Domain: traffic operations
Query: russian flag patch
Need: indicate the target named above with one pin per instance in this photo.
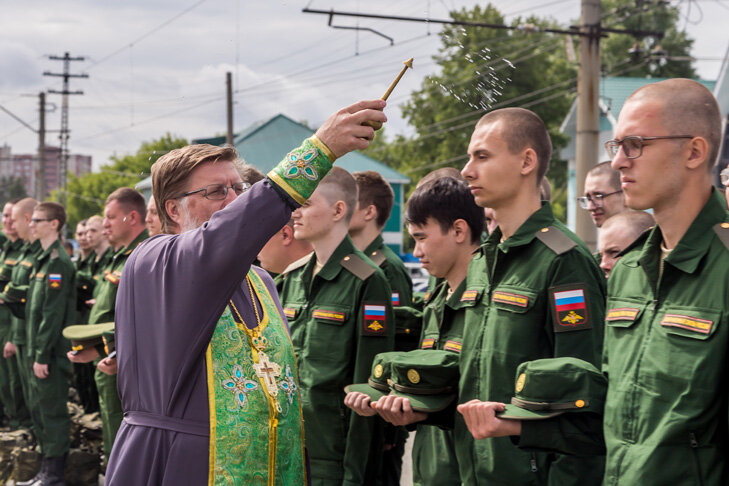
(54, 280)
(569, 308)
(395, 298)
(374, 320)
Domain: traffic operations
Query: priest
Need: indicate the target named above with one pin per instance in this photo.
(207, 374)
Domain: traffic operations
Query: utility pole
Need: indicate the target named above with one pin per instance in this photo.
(40, 178)
(588, 111)
(65, 132)
(229, 106)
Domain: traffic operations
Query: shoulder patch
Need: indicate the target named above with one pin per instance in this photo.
(54, 280)
(569, 308)
(555, 240)
(722, 231)
(360, 268)
(378, 257)
(374, 319)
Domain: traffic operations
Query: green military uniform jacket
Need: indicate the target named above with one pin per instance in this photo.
(85, 284)
(406, 338)
(444, 317)
(106, 288)
(666, 350)
(51, 304)
(339, 320)
(18, 285)
(12, 251)
(539, 294)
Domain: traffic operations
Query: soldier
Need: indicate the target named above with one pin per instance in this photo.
(283, 254)
(11, 394)
(101, 246)
(541, 295)
(154, 227)
(603, 196)
(618, 233)
(124, 221)
(51, 305)
(446, 225)
(339, 309)
(14, 294)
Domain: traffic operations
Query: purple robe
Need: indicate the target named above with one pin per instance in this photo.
(172, 293)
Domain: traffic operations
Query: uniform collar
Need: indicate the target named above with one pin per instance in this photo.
(695, 242)
(375, 245)
(126, 250)
(539, 219)
(56, 245)
(333, 266)
(14, 245)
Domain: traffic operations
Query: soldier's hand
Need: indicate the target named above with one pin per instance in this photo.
(397, 410)
(40, 370)
(84, 356)
(91, 302)
(360, 403)
(343, 131)
(108, 366)
(9, 350)
(482, 422)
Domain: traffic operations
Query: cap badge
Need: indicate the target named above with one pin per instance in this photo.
(520, 382)
(413, 376)
(378, 371)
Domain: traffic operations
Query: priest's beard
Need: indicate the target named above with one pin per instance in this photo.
(190, 222)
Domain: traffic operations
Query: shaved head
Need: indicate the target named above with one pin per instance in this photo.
(25, 206)
(688, 108)
(339, 185)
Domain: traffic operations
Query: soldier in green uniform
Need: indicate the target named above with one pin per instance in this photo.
(339, 311)
(99, 242)
(83, 373)
(541, 296)
(374, 204)
(667, 330)
(446, 225)
(51, 306)
(124, 215)
(15, 292)
(11, 393)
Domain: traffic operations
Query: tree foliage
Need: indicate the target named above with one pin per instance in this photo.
(86, 194)
(11, 188)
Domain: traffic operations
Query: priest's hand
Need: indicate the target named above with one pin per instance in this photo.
(344, 131)
(108, 366)
(483, 423)
(9, 350)
(397, 410)
(84, 356)
(360, 403)
(40, 370)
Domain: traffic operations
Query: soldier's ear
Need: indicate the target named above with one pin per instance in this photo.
(460, 230)
(340, 210)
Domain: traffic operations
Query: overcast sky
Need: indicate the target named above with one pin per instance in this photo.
(159, 66)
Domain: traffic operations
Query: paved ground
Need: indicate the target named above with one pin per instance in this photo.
(406, 478)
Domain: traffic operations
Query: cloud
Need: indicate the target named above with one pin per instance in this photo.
(20, 66)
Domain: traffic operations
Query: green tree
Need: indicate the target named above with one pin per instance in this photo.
(668, 57)
(86, 194)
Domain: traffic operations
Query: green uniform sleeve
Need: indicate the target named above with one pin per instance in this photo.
(60, 284)
(362, 449)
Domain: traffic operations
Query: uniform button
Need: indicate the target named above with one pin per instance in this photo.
(346, 258)
(544, 230)
(22, 301)
(407, 331)
(725, 225)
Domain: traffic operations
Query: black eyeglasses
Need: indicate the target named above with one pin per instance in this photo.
(633, 144)
(217, 192)
(39, 220)
(596, 199)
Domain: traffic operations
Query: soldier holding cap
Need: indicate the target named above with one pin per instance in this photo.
(542, 297)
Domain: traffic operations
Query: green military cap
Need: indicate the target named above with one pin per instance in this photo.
(428, 378)
(546, 388)
(376, 386)
(12, 293)
(85, 336)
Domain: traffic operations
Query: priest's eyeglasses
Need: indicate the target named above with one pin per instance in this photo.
(597, 200)
(633, 144)
(218, 192)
